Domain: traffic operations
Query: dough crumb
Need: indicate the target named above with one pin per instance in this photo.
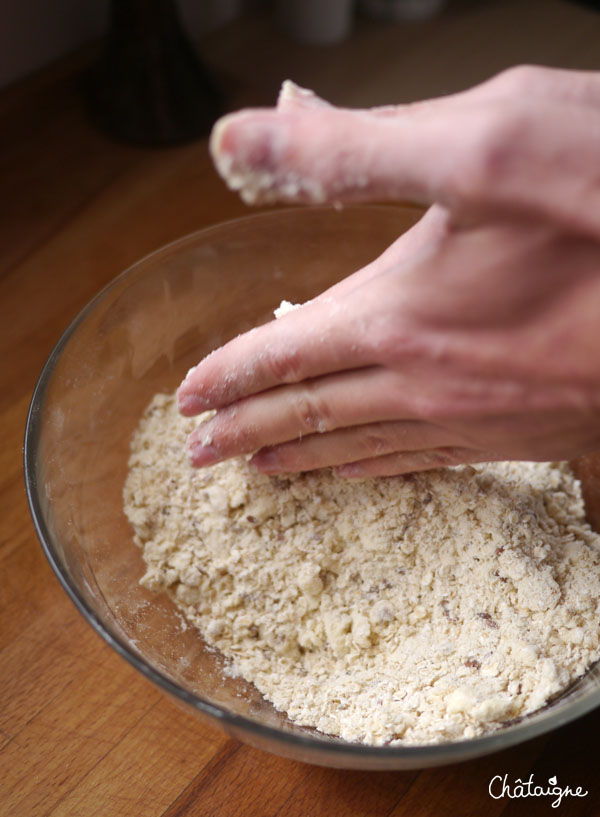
(386, 611)
(285, 307)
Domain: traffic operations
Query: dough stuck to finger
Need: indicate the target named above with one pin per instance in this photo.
(294, 96)
(284, 308)
(246, 147)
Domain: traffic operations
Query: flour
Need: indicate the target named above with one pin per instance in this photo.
(388, 611)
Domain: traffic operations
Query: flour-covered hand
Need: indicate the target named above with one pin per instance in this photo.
(475, 336)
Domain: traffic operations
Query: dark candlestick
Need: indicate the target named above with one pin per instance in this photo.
(149, 85)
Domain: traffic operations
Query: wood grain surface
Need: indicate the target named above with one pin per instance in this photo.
(81, 733)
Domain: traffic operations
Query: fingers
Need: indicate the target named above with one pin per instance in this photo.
(406, 462)
(265, 357)
(329, 339)
(289, 412)
(475, 154)
(347, 445)
(320, 337)
(549, 84)
(320, 154)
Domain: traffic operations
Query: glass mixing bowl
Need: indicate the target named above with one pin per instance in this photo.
(139, 336)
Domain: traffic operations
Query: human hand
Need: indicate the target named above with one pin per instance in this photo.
(474, 336)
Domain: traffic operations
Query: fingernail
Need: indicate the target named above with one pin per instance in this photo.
(200, 455)
(266, 461)
(246, 148)
(190, 404)
(249, 139)
(218, 143)
(189, 373)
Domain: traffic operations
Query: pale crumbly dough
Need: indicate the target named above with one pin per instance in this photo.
(397, 610)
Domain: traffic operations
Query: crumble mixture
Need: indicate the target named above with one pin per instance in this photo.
(387, 611)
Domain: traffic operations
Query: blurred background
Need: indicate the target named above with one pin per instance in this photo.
(105, 106)
(37, 32)
(87, 85)
(90, 88)
(433, 45)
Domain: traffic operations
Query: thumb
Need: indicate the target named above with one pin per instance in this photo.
(308, 151)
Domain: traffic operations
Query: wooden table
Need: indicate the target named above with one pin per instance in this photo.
(81, 733)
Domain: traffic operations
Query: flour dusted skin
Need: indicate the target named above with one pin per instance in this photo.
(387, 611)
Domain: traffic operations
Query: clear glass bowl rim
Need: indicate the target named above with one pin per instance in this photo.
(452, 751)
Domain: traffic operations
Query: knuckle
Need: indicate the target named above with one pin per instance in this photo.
(285, 366)
(493, 146)
(313, 413)
(374, 443)
(391, 340)
(520, 79)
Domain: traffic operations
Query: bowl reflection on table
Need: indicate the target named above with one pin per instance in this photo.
(139, 336)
